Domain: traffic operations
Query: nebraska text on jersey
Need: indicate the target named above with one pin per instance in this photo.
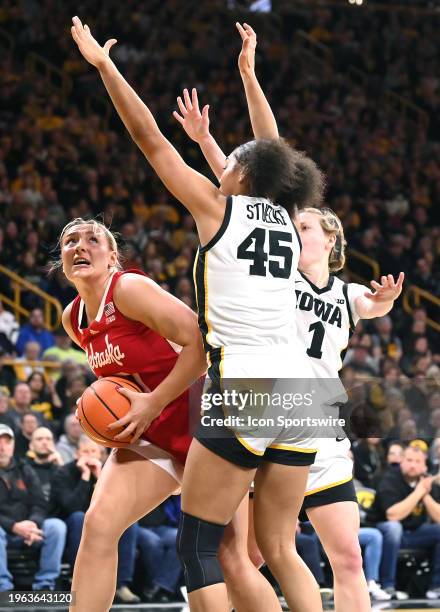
(112, 354)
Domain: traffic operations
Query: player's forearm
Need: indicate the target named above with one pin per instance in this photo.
(133, 112)
(190, 365)
(366, 309)
(262, 118)
(402, 509)
(213, 155)
(432, 508)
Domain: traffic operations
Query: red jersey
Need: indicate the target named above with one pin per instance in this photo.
(115, 344)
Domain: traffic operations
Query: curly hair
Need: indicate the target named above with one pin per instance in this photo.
(276, 171)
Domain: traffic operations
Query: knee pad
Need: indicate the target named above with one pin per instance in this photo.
(198, 542)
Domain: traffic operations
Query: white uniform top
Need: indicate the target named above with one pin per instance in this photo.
(326, 319)
(244, 279)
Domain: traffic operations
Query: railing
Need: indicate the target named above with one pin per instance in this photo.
(52, 308)
(369, 262)
(418, 295)
(413, 296)
(55, 77)
(315, 49)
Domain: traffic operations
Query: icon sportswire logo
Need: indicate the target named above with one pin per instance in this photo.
(112, 354)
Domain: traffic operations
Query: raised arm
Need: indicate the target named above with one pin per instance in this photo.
(201, 197)
(196, 125)
(262, 118)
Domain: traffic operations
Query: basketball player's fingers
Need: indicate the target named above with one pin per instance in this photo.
(250, 30)
(384, 281)
(130, 395)
(109, 44)
(74, 34)
(375, 285)
(241, 30)
(187, 99)
(126, 433)
(400, 280)
(195, 100)
(205, 113)
(78, 25)
(125, 420)
(182, 106)
(137, 434)
(180, 119)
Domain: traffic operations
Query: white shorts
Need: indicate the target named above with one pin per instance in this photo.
(250, 368)
(332, 466)
(158, 456)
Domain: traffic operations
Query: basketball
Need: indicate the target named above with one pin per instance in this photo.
(100, 405)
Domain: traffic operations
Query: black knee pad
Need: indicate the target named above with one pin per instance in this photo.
(198, 542)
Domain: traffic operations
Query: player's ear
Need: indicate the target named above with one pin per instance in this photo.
(113, 259)
(332, 240)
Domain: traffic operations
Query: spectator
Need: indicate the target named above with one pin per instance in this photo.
(21, 401)
(157, 544)
(29, 422)
(389, 343)
(71, 493)
(32, 352)
(34, 331)
(67, 445)
(395, 453)
(23, 518)
(8, 324)
(63, 351)
(45, 399)
(406, 501)
(43, 458)
(368, 459)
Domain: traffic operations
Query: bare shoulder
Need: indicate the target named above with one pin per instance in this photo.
(130, 284)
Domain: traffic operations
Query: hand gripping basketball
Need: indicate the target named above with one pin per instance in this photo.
(139, 418)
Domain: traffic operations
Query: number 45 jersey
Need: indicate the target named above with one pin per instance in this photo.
(326, 319)
(244, 280)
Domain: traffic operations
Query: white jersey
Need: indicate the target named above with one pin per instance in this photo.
(326, 319)
(244, 280)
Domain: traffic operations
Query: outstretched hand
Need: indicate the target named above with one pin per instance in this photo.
(246, 59)
(90, 49)
(387, 290)
(194, 122)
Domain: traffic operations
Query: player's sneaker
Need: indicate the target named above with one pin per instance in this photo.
(376, 592)
(433, 593)
(399, 595)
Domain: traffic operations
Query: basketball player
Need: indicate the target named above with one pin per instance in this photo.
(128, 325)
(327, 311)
(248, 260)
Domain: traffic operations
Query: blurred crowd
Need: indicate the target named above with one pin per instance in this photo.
(61, 157)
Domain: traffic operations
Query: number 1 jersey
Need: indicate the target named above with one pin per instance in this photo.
(326, 318)
(244, 278)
